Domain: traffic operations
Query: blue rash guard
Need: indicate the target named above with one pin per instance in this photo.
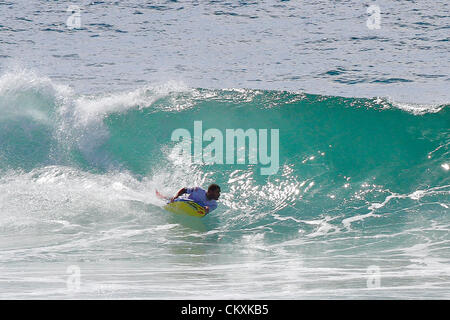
(198, 195)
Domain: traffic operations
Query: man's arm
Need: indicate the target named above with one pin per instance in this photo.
(181, 192)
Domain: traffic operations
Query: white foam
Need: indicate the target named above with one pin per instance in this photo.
(26, 94)
(418, 109)
(88, 107)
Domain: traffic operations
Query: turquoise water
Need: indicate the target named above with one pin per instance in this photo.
(359, 206)
(363, 185)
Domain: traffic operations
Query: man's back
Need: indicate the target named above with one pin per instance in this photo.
(198, 195)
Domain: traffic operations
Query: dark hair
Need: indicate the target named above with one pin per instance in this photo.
(213, 187)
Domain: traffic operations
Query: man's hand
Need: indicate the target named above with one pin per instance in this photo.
(206, 209)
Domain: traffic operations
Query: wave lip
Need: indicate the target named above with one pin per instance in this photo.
(62, 128)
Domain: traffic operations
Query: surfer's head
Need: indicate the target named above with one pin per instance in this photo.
(213, 192)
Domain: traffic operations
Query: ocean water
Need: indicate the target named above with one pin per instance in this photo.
(358, 209)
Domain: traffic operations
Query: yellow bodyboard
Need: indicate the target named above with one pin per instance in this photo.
(189, 208)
